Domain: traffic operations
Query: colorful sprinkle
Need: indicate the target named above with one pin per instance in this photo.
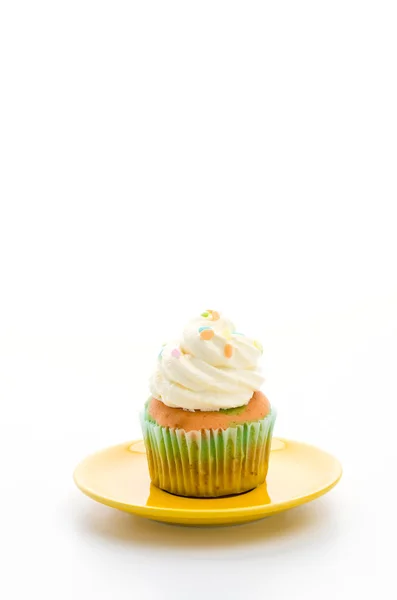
(258, 345)
(207, 334)
(237, 333)
(215, 315)
(160, 353)
(228, 350)
(175, 353)
(202, 329)
(227, 334)
(205, 314)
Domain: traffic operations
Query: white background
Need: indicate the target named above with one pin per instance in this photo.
(157, 159)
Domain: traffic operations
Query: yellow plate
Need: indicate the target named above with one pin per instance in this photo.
(119, 477)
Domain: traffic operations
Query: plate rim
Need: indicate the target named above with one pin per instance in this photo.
(206, 513)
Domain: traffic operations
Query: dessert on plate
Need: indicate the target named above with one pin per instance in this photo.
(207, 427)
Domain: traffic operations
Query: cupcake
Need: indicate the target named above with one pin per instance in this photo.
(207, 428)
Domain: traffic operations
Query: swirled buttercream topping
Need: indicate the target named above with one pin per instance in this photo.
(211, 367)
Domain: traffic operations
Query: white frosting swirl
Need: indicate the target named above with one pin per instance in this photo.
(208, 374)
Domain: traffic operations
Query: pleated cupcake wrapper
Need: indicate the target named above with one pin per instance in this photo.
(209, 463)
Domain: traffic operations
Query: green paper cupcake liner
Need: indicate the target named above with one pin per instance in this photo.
(210, 462)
